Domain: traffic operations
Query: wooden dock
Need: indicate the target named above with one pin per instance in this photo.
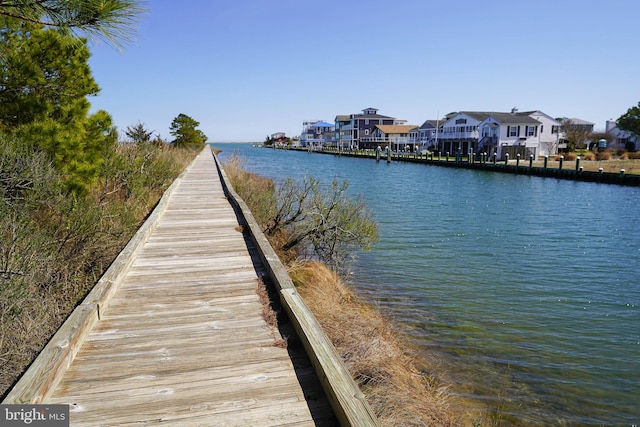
(182, 340)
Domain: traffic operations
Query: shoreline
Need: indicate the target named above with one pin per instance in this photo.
(568, 170)
(403, 386)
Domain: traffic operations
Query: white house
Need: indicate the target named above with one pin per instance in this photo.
(549, 134)
(509, 133)
(622, 139)
(525, 133)
(460, 132)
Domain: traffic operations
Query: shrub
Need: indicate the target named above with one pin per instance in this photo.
(634, 155)
(603, 155)
(55, 244)
(304, 219)
(588, 156)
(571, 156)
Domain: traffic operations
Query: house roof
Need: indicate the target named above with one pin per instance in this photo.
(502, 117)
(576, 121)
(477, 115)
(539, 113)
(371, 116)
(389, 129)
(322, 124)
(429, 124)
(517, 118)
(343, 117)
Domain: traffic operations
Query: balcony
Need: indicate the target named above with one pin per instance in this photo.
(460, 135)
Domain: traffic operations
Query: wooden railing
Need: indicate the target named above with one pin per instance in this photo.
(348, 402)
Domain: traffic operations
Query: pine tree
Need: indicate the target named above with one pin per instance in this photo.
(184, 129)
(44, 83)
(138, 133)
(110, 20)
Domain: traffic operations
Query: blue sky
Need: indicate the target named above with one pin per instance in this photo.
(248, 68)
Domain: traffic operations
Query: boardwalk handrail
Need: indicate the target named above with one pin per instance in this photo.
(44, 374)
(349, 404)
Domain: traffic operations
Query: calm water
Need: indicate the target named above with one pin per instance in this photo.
(527, 288)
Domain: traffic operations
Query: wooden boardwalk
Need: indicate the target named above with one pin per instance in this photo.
(183, 341)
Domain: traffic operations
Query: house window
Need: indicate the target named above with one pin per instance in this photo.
(531, 131)
(461, 121)
(555, 129)
(366, 122)
(512, 130)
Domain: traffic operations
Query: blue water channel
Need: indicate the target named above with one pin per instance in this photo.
(526, 289)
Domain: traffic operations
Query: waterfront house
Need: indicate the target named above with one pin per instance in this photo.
(425, 135)
(395, 136)
(622, 139)
(343, 136)
(549, 135)
(317, 132)
(508, 133)
(525, 133)
(459, 132)
(354, 131)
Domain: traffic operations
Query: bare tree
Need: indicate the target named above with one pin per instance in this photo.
(323, 223)
(577, 135)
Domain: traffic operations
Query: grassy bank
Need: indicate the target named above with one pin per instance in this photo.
(55, 245)
(399, 385)
(402, 387)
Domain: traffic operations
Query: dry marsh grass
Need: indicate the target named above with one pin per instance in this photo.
(396, 382)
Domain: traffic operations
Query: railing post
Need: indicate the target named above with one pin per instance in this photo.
(546, 164)
(561, 161)
(530, 161)
(517, 160)
(506, 159)
(447, 158)
(577, 163)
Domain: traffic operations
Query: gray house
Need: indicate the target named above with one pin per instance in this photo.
(355, 131)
